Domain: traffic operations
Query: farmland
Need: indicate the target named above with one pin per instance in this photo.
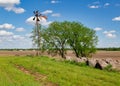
(44, 71)
(98, 54)
(107, 54)
(19, 69)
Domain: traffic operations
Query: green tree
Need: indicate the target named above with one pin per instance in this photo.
(55, 38)
(81, 39)
(74, 35)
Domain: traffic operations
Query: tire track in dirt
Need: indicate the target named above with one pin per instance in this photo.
(38, 77)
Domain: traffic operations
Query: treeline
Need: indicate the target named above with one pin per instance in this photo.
(109, 49)
(106, 49)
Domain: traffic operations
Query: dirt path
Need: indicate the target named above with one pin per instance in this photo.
(38, 77)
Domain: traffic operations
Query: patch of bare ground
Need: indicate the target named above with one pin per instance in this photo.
(98, 54)
(38, 77)
(17, 53)
(111, 56)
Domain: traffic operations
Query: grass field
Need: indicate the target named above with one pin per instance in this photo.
(43, 71)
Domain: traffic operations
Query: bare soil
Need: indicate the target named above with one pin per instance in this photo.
(98, 54)
(107, 54)
(17, 53)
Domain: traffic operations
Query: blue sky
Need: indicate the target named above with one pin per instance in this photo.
(16, 19)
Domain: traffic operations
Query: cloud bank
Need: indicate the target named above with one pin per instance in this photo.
(10, 5)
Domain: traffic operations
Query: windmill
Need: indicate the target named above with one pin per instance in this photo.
(38, 17)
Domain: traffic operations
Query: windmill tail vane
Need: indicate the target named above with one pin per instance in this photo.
(44, 17)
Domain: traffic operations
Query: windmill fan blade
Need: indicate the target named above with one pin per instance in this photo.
(40, 15)
(44, 17)
(38, 19)
(34, 18)
(37, 11)
(34, 12)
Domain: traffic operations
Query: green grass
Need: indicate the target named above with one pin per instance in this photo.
(11, 76)
(62, 73)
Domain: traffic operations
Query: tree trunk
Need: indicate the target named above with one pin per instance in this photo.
(62, 53)
(76, 53)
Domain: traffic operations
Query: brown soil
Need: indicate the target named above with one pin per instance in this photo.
(102, 54)
(107, 54)
(98, 54)
(17, 53)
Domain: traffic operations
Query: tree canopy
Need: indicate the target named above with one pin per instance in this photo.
(60, 36)
(81, 39)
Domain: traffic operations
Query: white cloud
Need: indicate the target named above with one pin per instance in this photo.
(9, 2)
(5, 33)
(54, 1)
(56, 15)
(106, 4)
(20, 29)
(97, 29)
(43, 21)
(116, 18)
(15, 41)
(18, 37)
(110, 34)
(16, 10)
(28, 35)
(7, 26)
(97, 4)
(0, 41)
(9, 5)
(94, 6)
(47, 12)
(30, 20)
(11, 40)
(112, 31)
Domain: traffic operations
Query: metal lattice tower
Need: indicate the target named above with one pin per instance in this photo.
(38, 17)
